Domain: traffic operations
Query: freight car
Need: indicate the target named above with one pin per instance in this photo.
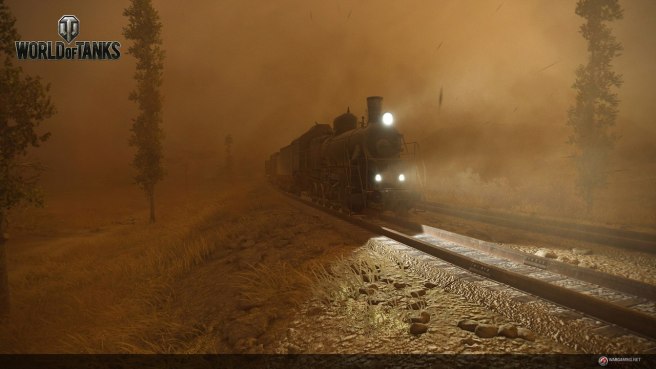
(349, 165)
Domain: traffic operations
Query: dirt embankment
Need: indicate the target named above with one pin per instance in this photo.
(221, 270)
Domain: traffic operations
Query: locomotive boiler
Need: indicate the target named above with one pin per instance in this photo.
(351, 165)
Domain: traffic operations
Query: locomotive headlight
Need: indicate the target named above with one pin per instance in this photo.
(388, 119)
(401, 177)
(378, 178)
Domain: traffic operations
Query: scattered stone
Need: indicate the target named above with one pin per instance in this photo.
(546, 253)
(418, 293)
(578, 251)
(468, 325)
(366, 291)
(418, 328)
(366, 278)
(291, 332)
(424, 318)
(507, 330)
(399, 285)
(564, 259)
(469, 341)
(574, 261)
(526, 334)
(387, 280)
(430, 285)
(373, 286)
(486, 330)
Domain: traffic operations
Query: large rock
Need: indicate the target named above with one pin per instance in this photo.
(399, 285)
(526, 334)
(418, 328)
(507, 330)
(486, 330)
(430, 285)
(468, 325)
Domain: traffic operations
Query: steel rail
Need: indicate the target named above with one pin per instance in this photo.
(633, 320)
(615, 282)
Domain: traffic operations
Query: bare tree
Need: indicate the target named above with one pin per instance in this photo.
(596, 106)
(24, 104)
(144, 29)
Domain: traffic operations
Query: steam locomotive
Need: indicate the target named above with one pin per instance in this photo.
(350, 166)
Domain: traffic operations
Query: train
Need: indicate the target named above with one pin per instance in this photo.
(350, 165)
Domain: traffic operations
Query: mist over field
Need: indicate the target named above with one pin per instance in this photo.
(265, 71)
(215, 258)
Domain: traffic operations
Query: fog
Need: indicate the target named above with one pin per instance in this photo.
(265, 71)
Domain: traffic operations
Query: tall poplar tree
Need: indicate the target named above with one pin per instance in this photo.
(24, 104)
(596, 108)
(144, 30)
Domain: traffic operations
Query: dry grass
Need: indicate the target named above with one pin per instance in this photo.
(109, 291)
(628, 200)
(262, 283)
(177, 286)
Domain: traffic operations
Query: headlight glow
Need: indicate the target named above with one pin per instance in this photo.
(388, 119)
(378, 178)
(402, 177)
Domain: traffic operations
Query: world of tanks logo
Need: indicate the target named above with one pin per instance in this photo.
(68, 28)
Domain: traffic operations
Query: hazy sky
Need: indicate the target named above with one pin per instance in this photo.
(265, 70)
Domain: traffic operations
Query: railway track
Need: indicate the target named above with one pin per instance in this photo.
(620, 304)
(626, 239)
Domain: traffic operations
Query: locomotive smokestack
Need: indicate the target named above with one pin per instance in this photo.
(375, 109)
